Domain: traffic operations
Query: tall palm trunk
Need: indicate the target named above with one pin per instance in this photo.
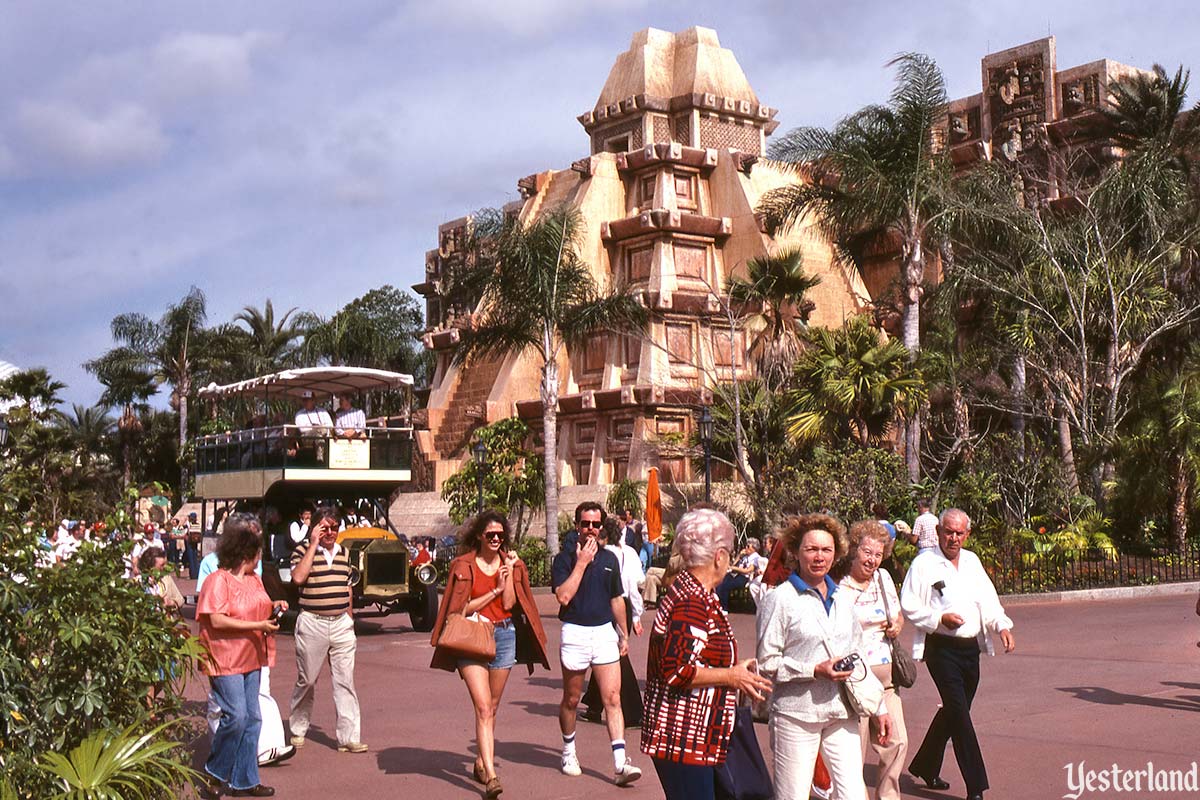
(1066, 452)
(913, 273)
(1018, 395)
(1180, 492)
(184, 389)
(550, 436)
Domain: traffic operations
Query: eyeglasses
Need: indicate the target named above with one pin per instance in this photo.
(588, 523)
(494, 536)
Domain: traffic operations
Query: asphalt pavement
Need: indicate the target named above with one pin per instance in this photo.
(1107, 683)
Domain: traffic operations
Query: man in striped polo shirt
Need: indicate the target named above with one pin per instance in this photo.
(325, 628)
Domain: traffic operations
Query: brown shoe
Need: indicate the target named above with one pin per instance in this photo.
(210, 788)
(493, 789)
(477, 773)
(254, 791)
(353, 747)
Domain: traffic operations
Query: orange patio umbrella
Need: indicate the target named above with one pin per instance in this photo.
(653, 507)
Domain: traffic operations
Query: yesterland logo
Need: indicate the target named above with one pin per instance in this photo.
(1082, 781)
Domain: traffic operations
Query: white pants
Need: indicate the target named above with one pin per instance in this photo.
(270, 736)
(795, 745)
(318, 639)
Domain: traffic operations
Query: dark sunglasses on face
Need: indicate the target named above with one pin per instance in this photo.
(494, 536)
(587, 523)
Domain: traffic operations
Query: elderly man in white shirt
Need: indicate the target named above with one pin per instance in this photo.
(350, 422)
(951, 602)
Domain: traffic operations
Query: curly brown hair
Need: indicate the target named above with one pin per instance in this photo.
(241, 540)
(471, 536)
(148, 557)
(792, 532)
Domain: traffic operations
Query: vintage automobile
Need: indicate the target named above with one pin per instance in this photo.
(278, 469)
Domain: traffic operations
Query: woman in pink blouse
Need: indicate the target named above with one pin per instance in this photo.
(236, 627)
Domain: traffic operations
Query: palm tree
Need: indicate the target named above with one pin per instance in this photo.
(171, 350)
(269, 345)
(89, 427)
(539, 297)
(877, 177)
(851, 379)
(35, 390)
(775, 287)
(1147, 110)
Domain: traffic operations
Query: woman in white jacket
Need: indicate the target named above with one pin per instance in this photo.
(805, 626)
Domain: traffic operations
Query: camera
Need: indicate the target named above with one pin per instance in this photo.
(277, 614)
(846, 664)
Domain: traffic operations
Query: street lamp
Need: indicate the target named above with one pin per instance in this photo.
(479, 452)
(3, 430)
(706, 432)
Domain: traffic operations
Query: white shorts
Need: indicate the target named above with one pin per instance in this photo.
(584, 646)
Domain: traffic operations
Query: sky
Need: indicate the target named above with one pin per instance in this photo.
(306, 151)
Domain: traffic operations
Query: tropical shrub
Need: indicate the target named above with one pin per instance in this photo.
(81, 646)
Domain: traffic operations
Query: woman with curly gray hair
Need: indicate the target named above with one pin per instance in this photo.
(692, 672)
(805, 627)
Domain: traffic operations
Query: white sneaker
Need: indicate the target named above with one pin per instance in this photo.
(627, 774)
(570, 765)
(823, 794)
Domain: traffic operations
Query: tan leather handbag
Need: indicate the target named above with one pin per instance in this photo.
(472, 638)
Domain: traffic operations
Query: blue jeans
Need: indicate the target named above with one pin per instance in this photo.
(234, 755)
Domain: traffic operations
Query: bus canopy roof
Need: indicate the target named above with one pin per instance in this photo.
(320, 381)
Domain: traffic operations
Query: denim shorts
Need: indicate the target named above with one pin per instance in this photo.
(506, 647)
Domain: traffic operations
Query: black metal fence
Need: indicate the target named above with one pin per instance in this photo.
(1015, 571)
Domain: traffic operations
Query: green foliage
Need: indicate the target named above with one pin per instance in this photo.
(774, 311)
(850, 381)
(129, 765)
(80, 648)
(847, 482)
(533, 552)
(628, 494)
(512, 477)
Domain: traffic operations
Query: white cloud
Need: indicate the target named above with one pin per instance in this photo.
(65, 138)
(197, 64)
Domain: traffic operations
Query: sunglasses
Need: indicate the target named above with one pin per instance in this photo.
(587, 523)
(494, 536)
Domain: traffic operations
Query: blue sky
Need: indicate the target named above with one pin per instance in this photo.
(307, 151)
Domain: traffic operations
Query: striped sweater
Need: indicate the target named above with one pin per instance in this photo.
(326, 592)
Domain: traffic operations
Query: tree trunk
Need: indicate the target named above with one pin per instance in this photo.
(184, 389)
(1019, 384)
(550, 436)
(1066, 453)
(1180, 490)
(913, 269)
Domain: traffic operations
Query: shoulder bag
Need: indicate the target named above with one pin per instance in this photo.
(473, 638)
(864, 695)
(904, 669)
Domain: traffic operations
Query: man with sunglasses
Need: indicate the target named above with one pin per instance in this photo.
(586, 580)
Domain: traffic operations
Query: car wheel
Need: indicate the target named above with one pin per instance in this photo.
(424, 610)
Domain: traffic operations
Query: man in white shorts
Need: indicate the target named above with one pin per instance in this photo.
(586, 580)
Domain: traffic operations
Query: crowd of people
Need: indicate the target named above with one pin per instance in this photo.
(828, 620)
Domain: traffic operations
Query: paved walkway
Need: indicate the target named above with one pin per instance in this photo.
(1102, 682)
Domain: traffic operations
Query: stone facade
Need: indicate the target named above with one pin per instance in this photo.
(667, 196)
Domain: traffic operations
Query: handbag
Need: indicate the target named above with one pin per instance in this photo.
(744, 774)
(473, 639)
(904, 669)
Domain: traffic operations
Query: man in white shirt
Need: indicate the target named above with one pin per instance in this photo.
(924, 530)
(314, 425)
(69, 547)
(951, 602)
(351, 422)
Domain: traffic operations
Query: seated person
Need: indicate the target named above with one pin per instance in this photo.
(313, 423)
(351, 422)
(749, 567)
(311, 420)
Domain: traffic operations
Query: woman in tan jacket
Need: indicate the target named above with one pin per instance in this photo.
(488, 579)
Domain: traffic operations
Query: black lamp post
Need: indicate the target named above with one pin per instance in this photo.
(706, 432)
(3, 430)
(479, 452)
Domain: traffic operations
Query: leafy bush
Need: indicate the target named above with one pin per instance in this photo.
(81, 646)
(536, 557)
(626, 493)
(512, 477)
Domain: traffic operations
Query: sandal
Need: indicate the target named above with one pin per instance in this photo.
(477, 773)
(493, 789)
